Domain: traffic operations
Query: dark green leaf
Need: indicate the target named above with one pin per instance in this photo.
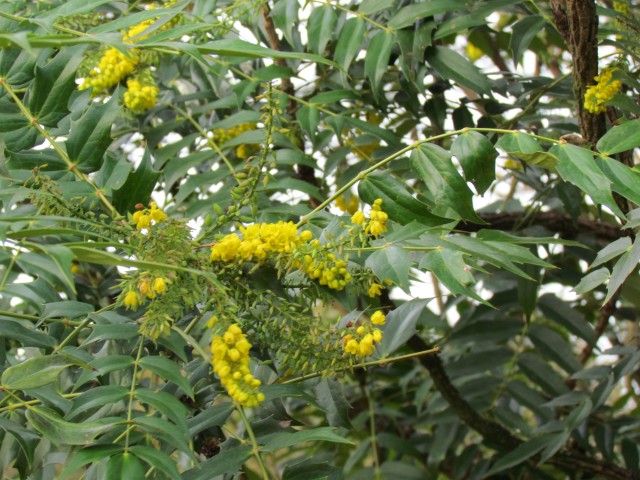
(592, 280)
(97, 397)
(620, 138)
(625, 265)
(166, 404)
(477, 157)
(412, 13)
(434, 166)
(520, 454)
(88, 455)
(287, 439)
(396, 201)
(168, 370)
(391, 263)
(523, 31)
(137, 188)
(624, 180)
(124, 465)
(34, 372)
(576, 165)
(349, 42)
(542, 374)
(60, 432)
(450, 65)
(90, 135)
(320, 28)
(159, 460)
(227, 461)
(401, 325)
(28, 337)
(377, 60)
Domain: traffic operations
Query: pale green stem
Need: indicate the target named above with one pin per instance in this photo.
(254, 443)
(384, 361)
(132, 392)
(33, 121)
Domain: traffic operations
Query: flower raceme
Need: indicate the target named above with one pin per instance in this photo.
(376, 225)
(362, 342)
(603, 91)
(144, 218)
(140, 97)
(231, 364)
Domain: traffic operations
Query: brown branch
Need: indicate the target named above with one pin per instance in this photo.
(304, 172)
(554, 221)
(607, 310)
(577, 22)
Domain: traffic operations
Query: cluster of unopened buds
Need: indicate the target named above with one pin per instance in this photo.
(231, 364)
(362, 342)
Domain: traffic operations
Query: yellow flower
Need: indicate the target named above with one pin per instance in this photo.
(377, 335)
(350, 207)
(157, 215)
(597, 95)
(212, 321)
(159, 285)
(474, 53)
(145, 288)
(231, 363)
(131, 300)
(378, 318)
(358, 218)
(377, 220)
(144, 221)
(139, 97)
(375, 290)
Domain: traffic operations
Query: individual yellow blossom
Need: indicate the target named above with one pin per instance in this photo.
(350, 207)
(597, 95)
(231, 364)
(358, 218)
(363, 342)
(212, 321)
(375, 290)
(474, 53)
(146, 288)
(159, 285)
(377, 335)
(131, 300)
(157, 215)
(139, 97)
(378, 318)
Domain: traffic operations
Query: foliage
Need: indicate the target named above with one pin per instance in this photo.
(331, 240)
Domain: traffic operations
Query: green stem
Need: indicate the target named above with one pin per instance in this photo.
(5, 277)
(384, 361)
(80, 326)
(254, 443)
(35, 318)
(372, 433)
(357, 14)
(33, 121)
(132, 392)
(400, 153)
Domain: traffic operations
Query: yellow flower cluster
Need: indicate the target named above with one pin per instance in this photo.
(221, 136)
(377, 223)
(621, 6)
(139, 97)
(258, 241)
(146, 288)
(351, 207)
(231, 363)
(143, 218)
(112, 68)
(603, 91)
(365, 338)
(328, 270)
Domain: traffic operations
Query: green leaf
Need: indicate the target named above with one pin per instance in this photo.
(320, 28)
(26, 439)
(523, 31)
(34, 372)
(624, 180)
(282, 440)
(285, 18)
(376, 61)
(450, 65)
(349, 42)
(90, 135)
(67, 309)
(97, 397)
(53, 85)
(516, 143)
(138, 186)
(396, 201)
(309, 117)
(227, 461)
(542, 374)
(576, 165)
(166, 404)
(477, 157)
(159, 460)
(412, 13)
(520, 454)
(60, 432)
(553, 346)
(434, 166)
(167, 431)
(28, 337)
(124, 465)
(627, 263)
(168, 370)
(368, 7)
(401, 325)
(611, 251)
(213, 416)
(620, 138)
(391, 263)
(88, 455)
(592, 280)
(449, 268)
(567, 317)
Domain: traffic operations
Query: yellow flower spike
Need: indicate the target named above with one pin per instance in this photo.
(159, 285)
(378, 318)
(375, 290)
(131, 300)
